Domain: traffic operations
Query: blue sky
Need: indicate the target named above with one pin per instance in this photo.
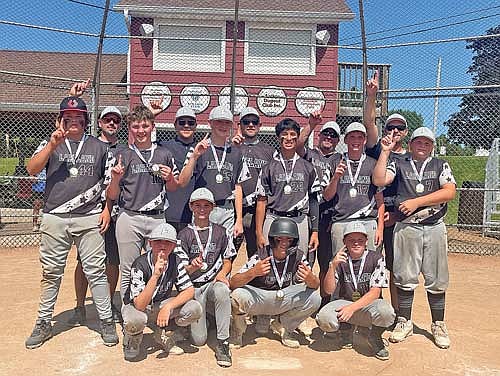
(411, 66)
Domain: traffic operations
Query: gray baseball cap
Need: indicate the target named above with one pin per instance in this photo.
(164, 231)
(395, 117)
(220, 113)
(355, 127)
(423, 132)
(249, 111)
(355, 226)
(202, 194)
(110, 110)
(185, 112)
(331, 125)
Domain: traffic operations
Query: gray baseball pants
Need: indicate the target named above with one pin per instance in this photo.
(298, 303)
(378, 313)
(224, 216)
(58, 234)
(214, 295)
(132, 233)
(337, 232)
(421, 249)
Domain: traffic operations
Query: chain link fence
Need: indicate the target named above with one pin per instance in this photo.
(451, 85)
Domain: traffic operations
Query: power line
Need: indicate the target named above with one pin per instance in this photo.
(423, 22)
(88, 4)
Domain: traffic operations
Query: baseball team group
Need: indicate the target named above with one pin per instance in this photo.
(167, 218)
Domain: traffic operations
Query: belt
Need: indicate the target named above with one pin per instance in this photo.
(289, 214)
(149, 212)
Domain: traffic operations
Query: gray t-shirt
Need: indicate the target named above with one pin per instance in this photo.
(363, 205)
(304, 182)
(80, 194)
(141, 190)
(256, 155)
(437, 173)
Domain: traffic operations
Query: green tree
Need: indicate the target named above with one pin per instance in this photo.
(477, 122)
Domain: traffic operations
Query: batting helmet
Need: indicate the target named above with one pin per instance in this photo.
(284, 227)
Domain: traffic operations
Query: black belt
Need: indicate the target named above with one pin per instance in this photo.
(149, 212)
(289, 214)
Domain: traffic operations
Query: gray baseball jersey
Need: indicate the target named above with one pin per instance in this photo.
(234, 171)
(80, 194)
(363, 204)
(269, 282)
(437, 172)
(374, 274)
(256, 155)
(221, 247)
(178, 209)
(142, 190)
(142, 271)
(303, 182)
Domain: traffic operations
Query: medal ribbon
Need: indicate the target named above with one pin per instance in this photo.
(354, 179)
(74, 157)
(288, 176)
(150, 262)
(139, 154)
(280, 280)
(203, 249)
(355, 279)
(223, 159)
(420, 174)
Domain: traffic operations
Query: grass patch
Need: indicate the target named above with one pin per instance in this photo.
(465, 168)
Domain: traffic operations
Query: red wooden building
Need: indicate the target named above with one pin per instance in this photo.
(285, 62)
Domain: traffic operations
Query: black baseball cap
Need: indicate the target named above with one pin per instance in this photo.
(72, 104)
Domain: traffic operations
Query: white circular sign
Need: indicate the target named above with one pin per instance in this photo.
(153, 91)
(240, 98)
(271, 101)
(195, 96)
(308, 100)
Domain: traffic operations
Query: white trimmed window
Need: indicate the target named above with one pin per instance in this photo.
(297, 58)
(205, 53)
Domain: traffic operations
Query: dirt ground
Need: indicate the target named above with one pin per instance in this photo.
(473, 303)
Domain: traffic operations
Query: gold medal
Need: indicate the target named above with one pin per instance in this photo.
(356, 295)
(155, 169)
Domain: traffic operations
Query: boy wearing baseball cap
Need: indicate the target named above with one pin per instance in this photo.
(256, 154)
(424, 187)
(355, 197)
(76, 165)
(149, 297)
(206, 254)
(359, 275)
(220, 169)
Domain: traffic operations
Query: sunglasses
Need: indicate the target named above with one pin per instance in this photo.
(246, 122)
(330, 134)
(108, 120)
(189, 123)
(398, 127)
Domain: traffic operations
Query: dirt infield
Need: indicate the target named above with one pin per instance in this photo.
(473, 303)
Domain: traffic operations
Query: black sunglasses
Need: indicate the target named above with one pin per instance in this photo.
(330, 134)
(254, 121)
(398, 127)
(190, 123)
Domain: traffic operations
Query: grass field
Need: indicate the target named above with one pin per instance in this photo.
(465, 168)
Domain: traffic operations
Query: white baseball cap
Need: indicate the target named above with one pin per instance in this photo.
(110, 110)
(355, 226)
(395, 117)
(202, 194)
(249, 111)
(185, 112)
(331, 125)
(423, 132)
(220, 113)
(355, 127)
(164, 231)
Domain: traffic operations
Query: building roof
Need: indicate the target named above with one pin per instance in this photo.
(319, 11)
(38, 80)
